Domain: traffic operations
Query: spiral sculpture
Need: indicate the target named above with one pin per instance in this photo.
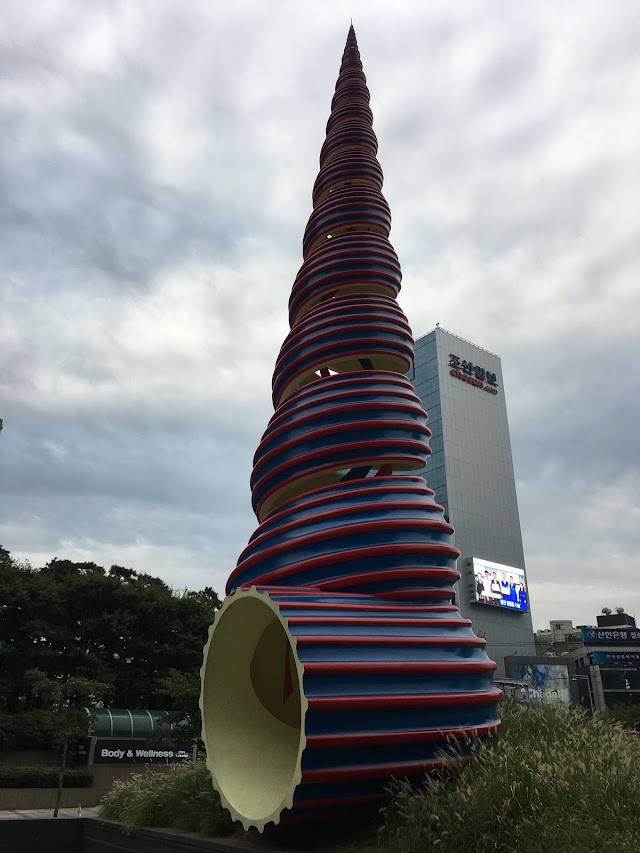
(339, 659)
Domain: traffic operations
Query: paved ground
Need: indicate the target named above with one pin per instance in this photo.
(23, 814)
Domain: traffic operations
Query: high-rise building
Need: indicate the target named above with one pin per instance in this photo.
(471, 471)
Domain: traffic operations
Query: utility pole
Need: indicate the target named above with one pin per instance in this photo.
(588, 680)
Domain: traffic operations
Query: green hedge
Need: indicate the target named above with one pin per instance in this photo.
(43, 777)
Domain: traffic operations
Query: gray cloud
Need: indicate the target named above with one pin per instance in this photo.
(156, 175)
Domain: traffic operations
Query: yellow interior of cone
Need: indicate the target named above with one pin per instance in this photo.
(251, 703)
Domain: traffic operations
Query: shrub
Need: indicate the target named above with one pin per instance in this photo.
(552, 779)
(28, 729)
(43, 777)
(182, 798)
(628, 715)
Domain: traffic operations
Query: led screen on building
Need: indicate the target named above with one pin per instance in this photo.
(545, 682)
(499, 586)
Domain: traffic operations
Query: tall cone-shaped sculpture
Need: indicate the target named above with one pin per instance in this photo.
(338, 659)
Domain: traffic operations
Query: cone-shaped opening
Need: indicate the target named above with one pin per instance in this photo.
(252, 709)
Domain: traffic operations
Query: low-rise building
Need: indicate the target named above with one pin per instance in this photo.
(558, 639)
(602, 670)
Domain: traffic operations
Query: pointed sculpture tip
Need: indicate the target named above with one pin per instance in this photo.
(351, 35)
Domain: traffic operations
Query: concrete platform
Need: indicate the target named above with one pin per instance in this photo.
(30, 814)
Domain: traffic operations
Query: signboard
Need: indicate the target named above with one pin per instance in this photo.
(616, 657)
(499, 586)
(622, 636)
(136, 751)
(473, 374)
(545, 682)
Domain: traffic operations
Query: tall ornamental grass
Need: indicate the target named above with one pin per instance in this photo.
(182, 799)
(552, 779)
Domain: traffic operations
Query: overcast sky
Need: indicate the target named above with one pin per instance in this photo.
(156, 166)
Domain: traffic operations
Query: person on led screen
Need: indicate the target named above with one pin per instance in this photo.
(487, 587)
(504, 586)
(522, 597)
(513, 590)
(496, 589)
(480, 587)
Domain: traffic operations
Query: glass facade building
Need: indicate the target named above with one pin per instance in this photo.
(471, 472)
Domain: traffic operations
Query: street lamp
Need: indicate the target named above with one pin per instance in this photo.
(588, 680)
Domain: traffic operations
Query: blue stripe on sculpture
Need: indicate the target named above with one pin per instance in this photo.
(351, 75)
(311, 463)
(337, 334)
(356, 387)
(345, 138)
(357, 208)
(364, 262)
(348, 113)
(307, 438)
(351, 92)
(381, 489)
(334, 401)
(347, 169)
(364, 745)
(333, 533)
(409, 565)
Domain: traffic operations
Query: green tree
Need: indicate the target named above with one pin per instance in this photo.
(181, 692)
(121, 627)
(207, 597)
(67, 701)
(5, 558)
